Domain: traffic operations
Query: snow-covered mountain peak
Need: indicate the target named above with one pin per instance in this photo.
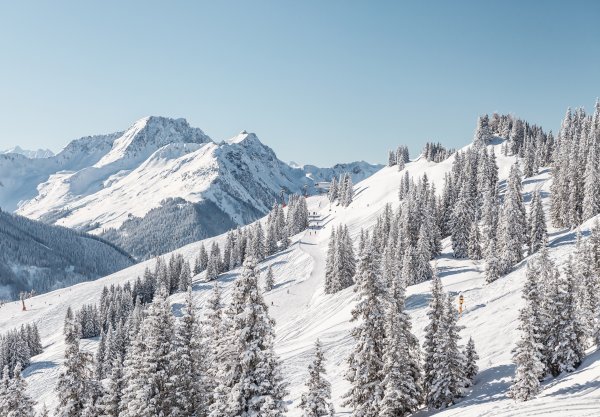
(149, 134)
(40, 153)
(244, 138)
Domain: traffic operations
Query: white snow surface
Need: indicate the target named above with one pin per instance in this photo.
(303, 312)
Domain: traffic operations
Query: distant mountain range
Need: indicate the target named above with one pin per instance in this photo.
(158, 185)
(40, 153)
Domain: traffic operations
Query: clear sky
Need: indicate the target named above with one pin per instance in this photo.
(318, 81)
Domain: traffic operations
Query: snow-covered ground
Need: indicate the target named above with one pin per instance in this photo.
(303, 312)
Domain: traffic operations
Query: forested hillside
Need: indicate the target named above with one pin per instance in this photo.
(38, 257)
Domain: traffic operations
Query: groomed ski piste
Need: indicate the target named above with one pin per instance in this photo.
(304, 313)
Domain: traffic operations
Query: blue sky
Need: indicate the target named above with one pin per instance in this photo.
(318, 81)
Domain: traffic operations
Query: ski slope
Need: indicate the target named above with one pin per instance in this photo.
(303, 312)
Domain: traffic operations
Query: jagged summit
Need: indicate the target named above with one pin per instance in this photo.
(148, 135)
(244, 138)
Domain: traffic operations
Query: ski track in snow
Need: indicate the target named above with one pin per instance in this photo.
(303, 312)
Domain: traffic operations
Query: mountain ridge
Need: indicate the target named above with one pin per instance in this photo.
(100, 183)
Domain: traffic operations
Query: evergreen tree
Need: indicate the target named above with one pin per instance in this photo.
(365, 372)
(4, 384)
(591, 192)
(148, 370)
(588, 286)
(474, 248)
(333, 190)
(213, 331)
(17, 402)
(482, 133)
(471, 358)
(538, 235)
(75, 379)
(316, 401)
(185, 277)
(512, 223)
(201, 261)
(269, 279)
(534, 316)
(528, 360)
(444, 363)
(109, 403)
(566, 336)
(435, 314)
(249, 376)
(423, 255)
(401, 368)
(331, 264)
(340, 262)
(187, 365)
(463, 217)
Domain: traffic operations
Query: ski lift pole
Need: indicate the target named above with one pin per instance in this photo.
(22, 296)
(461, 301)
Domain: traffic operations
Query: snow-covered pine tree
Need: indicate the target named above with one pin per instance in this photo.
(316, 401)
(332, 194)
(474, 247)
(534, 315)
(391, 158)
(423, 254)
(456, 360)
(409, 267)
(269, 279)
(4, 383)
(348, 191)
(17, 403)
(258, 241)
(202, 260)
(109, 403)
(249, 377)
(213, 331)
(463, 216)
(538, 235)
(527, 358)
(430, 345)
(389, 270)
(187, 373)
(76, 377)
(147, 369)
(566, 336)
(482, 133)
(471, 358)
(512, 223)
(185, 277)
(587, 287)
(331, 264)
(403, 392)
(271, 239)
(340, 262)
(591, 189)
(213, 267)
(365, 370)
(446, 377)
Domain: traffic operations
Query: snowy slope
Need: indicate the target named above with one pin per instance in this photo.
(303, 312)
(114, 181)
